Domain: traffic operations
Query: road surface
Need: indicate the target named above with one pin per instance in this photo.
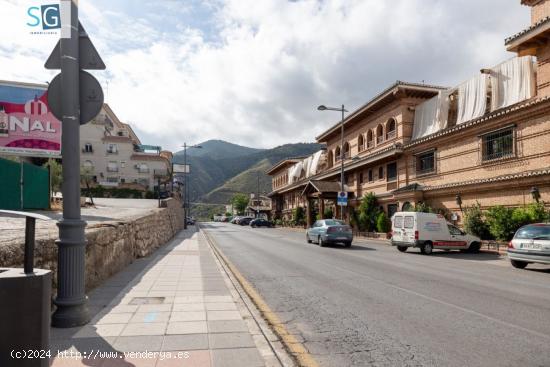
(372, 305)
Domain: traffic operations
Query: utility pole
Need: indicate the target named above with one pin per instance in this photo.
(185, 186)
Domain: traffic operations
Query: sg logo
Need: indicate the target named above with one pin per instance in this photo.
(47, 15)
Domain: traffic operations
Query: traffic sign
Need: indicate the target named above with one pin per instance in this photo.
(181, 168)
(343, 198)
(88, 56)
(91, 97)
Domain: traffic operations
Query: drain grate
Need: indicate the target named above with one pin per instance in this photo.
(147, 300)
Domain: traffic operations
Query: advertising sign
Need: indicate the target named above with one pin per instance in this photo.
(181, 168)
(27, 126)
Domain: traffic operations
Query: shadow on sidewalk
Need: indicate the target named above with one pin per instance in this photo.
(86, 345)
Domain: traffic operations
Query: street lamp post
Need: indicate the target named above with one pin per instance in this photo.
(343, 110)
(185, 182)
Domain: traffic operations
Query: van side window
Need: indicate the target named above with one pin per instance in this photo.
(398, 222)
(409, 222)
(453, 230)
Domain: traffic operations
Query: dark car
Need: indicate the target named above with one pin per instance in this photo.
(260, 223)
(245, 221)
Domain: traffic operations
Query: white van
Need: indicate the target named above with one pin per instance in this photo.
(429, 231)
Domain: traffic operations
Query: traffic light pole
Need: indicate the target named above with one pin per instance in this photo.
(71, 298)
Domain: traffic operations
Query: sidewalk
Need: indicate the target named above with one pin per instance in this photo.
(173, 308)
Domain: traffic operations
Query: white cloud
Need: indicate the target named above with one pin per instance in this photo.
(258, 78)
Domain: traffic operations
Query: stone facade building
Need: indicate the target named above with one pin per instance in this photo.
(112, 155)
(486, 140)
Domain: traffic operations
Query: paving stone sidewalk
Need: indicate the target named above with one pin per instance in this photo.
(173, 308)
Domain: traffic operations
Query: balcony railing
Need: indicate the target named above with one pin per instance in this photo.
(112, 151)
(87, 151)
(391, 135)
(380, 139)
(112, 169)
(370, 144)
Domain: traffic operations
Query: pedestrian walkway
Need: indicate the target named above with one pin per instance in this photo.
(174, 308)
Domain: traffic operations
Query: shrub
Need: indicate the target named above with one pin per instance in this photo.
(537, 212)
(501, 222)
(368, 212)
(383, 224)
(149, 195)
(475, 224)
(298, 216)
(423, 208)
(328, 213)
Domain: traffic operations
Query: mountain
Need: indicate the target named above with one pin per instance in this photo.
(222, 169)
(216, 149)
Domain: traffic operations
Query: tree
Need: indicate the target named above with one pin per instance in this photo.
(240, 202)
(422, 207)
(56, 174)
(368, 211)
(501, 222)
(299, 216)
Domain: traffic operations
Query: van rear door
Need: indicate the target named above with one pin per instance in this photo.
(409, 228)
(397, 228)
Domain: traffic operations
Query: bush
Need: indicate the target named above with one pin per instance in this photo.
(501, 222)
(298, 216)
(383, 224)
(422, 207)
(149, 195)
(474, 223)
(538, 213)
(328, 213)
(368, 212)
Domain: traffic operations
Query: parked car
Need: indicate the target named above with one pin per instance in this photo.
(429, 231)
(259, 222)
(327, 231)
(235, 219)
(245, 221)
(190, 221)
(531, 244)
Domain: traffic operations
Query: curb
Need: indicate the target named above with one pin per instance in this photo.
(293, 352)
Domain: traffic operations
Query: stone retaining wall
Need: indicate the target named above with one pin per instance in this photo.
(111, 246)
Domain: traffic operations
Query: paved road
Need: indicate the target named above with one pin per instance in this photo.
(371, 305)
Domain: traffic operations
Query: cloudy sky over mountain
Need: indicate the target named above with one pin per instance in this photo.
(253, 72)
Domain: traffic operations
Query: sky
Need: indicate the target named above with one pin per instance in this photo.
(253, 72)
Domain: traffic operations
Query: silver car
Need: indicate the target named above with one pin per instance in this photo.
(531, 244)
(327, 231)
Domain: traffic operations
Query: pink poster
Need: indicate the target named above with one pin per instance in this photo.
(27, 126)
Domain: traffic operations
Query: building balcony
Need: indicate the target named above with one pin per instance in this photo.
(380, 139)
(112, 169)
(370, 144)
(87, 151)
(391, 135)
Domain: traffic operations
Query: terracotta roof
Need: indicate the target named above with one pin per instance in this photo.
(490, 116)
(326, 186)
(382, 99)
(492, 179)
(531, 29)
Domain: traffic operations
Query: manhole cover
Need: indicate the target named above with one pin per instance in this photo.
(146, 300)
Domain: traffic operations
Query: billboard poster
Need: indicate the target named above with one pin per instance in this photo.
(27, 126)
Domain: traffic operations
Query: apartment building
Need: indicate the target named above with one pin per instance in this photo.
(486, 140)
(112, 155)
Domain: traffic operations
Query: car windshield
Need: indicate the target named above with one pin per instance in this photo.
(534, 232)
(333, 222)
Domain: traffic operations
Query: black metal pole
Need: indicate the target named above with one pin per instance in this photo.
(28, 261)
(71, 298)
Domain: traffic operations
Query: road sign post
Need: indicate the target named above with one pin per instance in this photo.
(343, 198)
(73, 52)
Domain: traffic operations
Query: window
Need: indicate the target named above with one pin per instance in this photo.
(112, 167)
(409, 222)
(112, 179)
(454, 231)
(330, 159)
(122, 164)
(346, 150)
(380, 173)
(361, 178)
(112, 149)
(370, 176)
(122, 180)
(398, 221)
(391, 172)
(370, 139)
(499, 144)
(337, 155)
(88, 148)
(361, 142)
(391, 128)
(142, 168)
(379, 134)
(425, 162)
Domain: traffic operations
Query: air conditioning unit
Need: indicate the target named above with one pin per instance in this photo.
(137, 166)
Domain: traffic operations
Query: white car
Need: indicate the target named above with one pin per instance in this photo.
(531, 244)
(429, 231)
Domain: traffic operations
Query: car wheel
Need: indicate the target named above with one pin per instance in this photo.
(427, 248)
(474, 247)
(347, 244)
(307, 238)
(320, 242)
(518, 264)
(402, 248)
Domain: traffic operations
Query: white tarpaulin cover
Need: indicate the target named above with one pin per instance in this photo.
(472, 98)
(512, 81)
(295, 171)
(314, 163)
(431, 116)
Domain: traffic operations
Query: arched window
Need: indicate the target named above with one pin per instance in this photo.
(379, 134)
(380, 173)
(330, 159)
(337, 154)
(391, 129)
(346, 150)
(361, 142)
(370, 139)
